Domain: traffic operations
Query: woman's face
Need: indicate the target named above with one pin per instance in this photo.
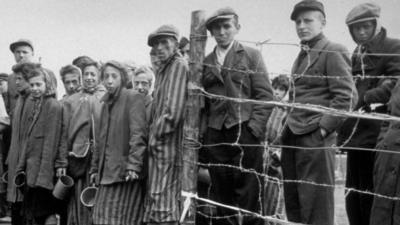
(112, 79)
(90, 77)
(38, 86)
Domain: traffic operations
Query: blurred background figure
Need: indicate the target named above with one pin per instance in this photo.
(71, 78)
(130, 67)
(184, 47)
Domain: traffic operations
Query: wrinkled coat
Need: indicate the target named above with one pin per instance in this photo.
(372, 90)
(19, 123)
(122, 139)
(40, 156)
(386, 175)
(334, 93)
(253, 84)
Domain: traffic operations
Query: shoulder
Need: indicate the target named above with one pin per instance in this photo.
(391, 45)
(180, 63)
(334, 46)
(52, 104)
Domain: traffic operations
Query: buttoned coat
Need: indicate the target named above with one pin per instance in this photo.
(243, 75)
(122, 139)
(40, 156)
(326, 59)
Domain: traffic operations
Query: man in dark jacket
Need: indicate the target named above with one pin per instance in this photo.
(310, 203)
(235, 71)
(370, 37)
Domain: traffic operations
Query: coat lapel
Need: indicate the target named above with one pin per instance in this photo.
(310, 59)
(213, 67)
(35, 118)
(234, 56)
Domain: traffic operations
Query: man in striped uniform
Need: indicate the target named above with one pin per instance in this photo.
(166, 126)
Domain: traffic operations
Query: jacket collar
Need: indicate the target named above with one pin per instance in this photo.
(232, 58)
(375, 44)
(110, 99)
(313, 54)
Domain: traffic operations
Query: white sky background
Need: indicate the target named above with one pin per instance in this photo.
(118, 29)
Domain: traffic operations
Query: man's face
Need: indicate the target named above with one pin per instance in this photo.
(21, 83)
(279, 93)
(363, 31)
(164, 47)
(90, 77)
(185, 52)
(224, 32)
(141, 83)
(309, 24)
(23, 53)
(3, 86)
(71, 83)
(112, 79)
(38, 86)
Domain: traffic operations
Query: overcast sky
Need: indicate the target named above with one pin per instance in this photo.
(118, 29)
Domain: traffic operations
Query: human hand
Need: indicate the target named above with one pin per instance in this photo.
(131, 176)
(61, 172)
(93, 178)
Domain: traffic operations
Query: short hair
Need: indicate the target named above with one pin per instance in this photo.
(281, 82)
(69, 69)
(80, 61)
(146, 70)
(50, 85)
(24, 68)
(116, 65)
(90, 63)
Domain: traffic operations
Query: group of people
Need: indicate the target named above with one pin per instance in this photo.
(128, 143)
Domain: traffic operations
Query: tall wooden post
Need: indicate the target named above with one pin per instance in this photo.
(198, 38)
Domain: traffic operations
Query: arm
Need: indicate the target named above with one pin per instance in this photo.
(382, 93)
(343, 91)
(51, 139)
(61, 159)
(174, 106)
(94, 165)
(138, 133)
(260, 90)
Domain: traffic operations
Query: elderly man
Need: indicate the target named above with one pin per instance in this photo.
(236, 71)
(366, 30)
(71, 78)
(309, 203)
(162, 204)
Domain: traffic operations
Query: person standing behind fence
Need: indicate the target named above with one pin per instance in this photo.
(366, 30)
(117, 164)
(81, 115)
(307, 203)
(19, 126)
(40, 159)
(142, 82)
(162, 203)
(236, 71)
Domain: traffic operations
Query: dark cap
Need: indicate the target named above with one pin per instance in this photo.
(3, 76)
(164, 30)
(363, 12)
(21, 42)
(307, 5)
(220, 14)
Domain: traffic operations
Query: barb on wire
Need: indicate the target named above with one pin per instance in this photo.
(277, 181)
(239, 210)
(311, 107)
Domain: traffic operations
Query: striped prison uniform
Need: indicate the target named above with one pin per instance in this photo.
(162, 202)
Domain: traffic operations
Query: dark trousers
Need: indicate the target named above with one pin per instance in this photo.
(17, 214)
(308, 203)
(359, 175)
(231, 186)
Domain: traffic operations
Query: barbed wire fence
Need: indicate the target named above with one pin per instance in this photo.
(192, 143)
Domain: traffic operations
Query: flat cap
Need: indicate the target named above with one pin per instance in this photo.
(164, 30)
(3, 76)
(21, 42)
(307, 5)
(220, 14)
(363, 12)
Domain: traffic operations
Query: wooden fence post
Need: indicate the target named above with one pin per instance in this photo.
(198, 38)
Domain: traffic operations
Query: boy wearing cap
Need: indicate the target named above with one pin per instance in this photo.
(366, 30)
(307, 203)
(236, 71)
(162, 203)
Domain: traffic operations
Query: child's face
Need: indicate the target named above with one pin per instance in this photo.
(279, 93)
(38, 86)
(112, 79)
